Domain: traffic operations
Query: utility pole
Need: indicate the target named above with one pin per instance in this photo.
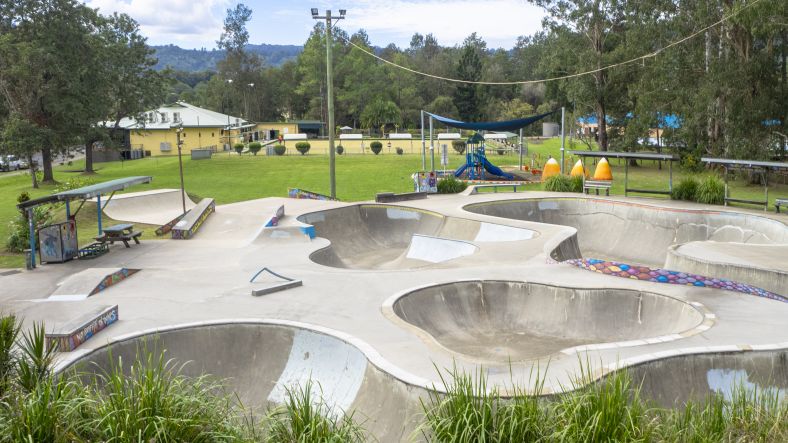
(562, 140)
(330, 93)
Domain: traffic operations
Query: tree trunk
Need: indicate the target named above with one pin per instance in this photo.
(46, 164)
(89, 158)
(602, 128)
(32, 170)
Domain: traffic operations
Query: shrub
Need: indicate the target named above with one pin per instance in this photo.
(239, 147)
(711, 191)
(19, 233)
(400, 151)
(687, 189)
(303, 147)
(74, 183)
(340, 149)
(280, 149)
(376, 147)
(501, 151)
(255, 147)
(458, 146)
(451, 185)
(563, 183)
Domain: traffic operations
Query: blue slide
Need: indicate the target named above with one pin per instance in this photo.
(495, 170)
(460, 170)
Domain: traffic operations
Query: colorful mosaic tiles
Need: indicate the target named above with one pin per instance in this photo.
(657, 275)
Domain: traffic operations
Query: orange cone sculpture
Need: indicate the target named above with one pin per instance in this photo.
(602, 171)
(578, 170)
(551, 168)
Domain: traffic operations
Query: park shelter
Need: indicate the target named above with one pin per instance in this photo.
(84, 193)
(759, 167)
(627, 156)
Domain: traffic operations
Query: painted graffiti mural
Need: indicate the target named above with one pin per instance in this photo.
(308, 195)
(69, 341)
(657, 275)
(179, 233)
(112, 279)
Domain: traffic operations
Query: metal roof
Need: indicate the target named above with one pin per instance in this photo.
(88, 191)
(744, 163)
(615, 154)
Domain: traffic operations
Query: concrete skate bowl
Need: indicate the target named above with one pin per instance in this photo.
(671, 382)
(257, 361)
(629, 232)
(502, 321)
(395, 237)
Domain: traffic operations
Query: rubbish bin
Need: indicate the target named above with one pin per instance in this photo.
(29, 265)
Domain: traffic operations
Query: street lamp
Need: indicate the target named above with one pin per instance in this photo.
(229, 142)
(330, 92)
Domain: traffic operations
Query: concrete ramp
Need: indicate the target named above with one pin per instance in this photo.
(438, 250)
(89, 282)
(156, 207)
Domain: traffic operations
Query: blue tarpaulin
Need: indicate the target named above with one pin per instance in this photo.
(510, 125)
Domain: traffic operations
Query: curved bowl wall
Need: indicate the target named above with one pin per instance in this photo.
(628, 232)
(503, 321)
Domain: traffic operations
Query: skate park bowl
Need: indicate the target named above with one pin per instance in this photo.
(395, 237)
(502, 321)
(268, 357)
(630, 232)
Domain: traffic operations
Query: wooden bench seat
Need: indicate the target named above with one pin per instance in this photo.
(597, 185)
(780, 202)
(125, 238)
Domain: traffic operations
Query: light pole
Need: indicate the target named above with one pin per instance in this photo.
(330, 92)
(180, 164)
(229, 142)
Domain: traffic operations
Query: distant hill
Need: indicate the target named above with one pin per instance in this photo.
(194, 60)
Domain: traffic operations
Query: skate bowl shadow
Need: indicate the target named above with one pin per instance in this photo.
(259, 361)
(503, 321)
(371, 236)
(631, 232)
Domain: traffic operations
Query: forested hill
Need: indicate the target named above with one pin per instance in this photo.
(194, 60)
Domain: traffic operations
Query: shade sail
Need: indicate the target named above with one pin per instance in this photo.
(509, 125)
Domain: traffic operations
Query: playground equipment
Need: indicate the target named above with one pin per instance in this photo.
(476, 162)
(602, 171)
(551, 168)
(578, 170)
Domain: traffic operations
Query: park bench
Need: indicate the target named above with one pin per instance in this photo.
(597, 185)
(780, 202)
(193, 220)
(123, 233)
(764, 202)
(495, 186)
(75, 332)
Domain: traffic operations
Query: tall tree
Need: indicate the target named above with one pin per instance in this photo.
(467, 96)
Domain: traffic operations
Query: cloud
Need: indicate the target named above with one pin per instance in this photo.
(498, 22)
(188, 23)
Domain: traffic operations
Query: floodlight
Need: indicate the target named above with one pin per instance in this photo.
(251, 85)
(342, 12)
(314, 12)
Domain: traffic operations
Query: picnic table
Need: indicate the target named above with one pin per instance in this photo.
(120, 232)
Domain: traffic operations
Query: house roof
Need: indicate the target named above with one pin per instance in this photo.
(190, 116)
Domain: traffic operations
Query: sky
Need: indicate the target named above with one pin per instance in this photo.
(198, 23)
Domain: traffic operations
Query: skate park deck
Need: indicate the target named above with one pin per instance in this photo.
(195, 296)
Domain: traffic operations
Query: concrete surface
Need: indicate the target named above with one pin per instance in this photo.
(156, 207)
(187, 290)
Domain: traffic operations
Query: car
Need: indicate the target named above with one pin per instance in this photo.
(9, 163)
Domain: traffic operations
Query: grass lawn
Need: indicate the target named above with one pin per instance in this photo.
(230, 178)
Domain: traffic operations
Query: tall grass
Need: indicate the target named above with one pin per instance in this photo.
(711, 191)
(305, 417)
(563, 183)
(686, 189)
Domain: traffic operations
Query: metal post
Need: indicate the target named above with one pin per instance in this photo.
(626, 176)
(562, 139)
(32, 228)
(423, 145)
(432, 149)
(670, 177)
(180, 166)
(331, 165)
(68, 210)
(521, 149)
(98, 210)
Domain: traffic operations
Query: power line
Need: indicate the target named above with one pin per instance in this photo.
(563, 77)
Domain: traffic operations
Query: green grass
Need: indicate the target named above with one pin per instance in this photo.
(231, 178)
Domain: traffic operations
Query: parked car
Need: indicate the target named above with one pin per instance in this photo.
(10, 163)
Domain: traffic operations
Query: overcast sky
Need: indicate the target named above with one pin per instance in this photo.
(198, 23)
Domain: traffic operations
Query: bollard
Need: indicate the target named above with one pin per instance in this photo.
(29, 260)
